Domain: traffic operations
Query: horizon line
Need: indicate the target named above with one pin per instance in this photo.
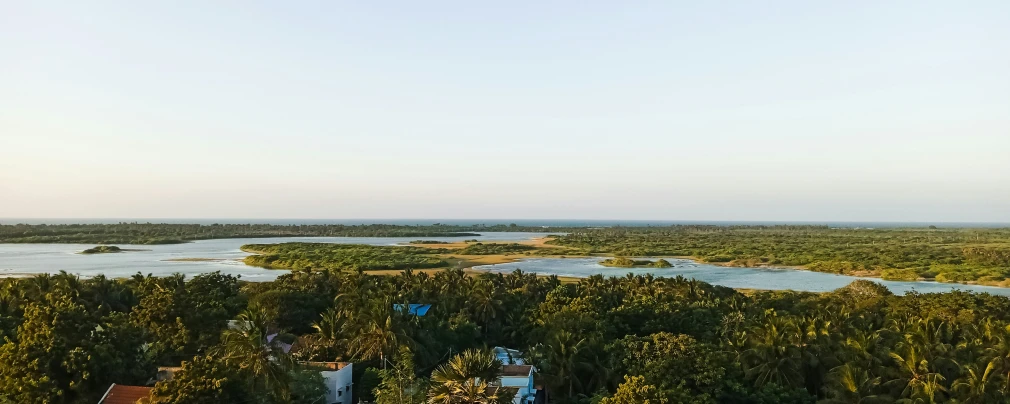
(436, 219)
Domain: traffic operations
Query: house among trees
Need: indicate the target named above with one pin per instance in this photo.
(122, 394)
(165, 373)
(520, 378)
(337, 377)
(516, 374)
(509, 356)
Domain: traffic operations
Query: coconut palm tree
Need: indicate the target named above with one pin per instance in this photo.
(773, 357)
(918, 381)
(975, 385)
(377, 332)
(329, 324)
(467, 378)
(486, 303)
(866, 349)
(565, 358)
(851, 384)
(999, 351)
(265, 365)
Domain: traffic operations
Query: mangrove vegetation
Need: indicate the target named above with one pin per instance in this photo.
(946, 255)
(102, 249)
(327, 256)
(623, 262)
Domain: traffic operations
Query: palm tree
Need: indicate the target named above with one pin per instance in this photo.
(866, 348)
(266, 366)
(377, 332)
(851, 384)
(999, 351)
(928, 392)
(486, 303)
(329, 324)
(374, 340)
(974, 387)
(773, 358)
(466, 379)
(564, 359)
(918, 381)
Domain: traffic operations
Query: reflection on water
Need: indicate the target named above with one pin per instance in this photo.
(749, 278)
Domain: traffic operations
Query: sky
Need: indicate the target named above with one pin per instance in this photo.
(663, 110)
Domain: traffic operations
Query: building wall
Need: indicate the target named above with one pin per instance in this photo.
(338, 385)
(525, 385)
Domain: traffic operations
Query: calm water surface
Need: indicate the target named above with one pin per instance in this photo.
(752, 278)
(27, 259)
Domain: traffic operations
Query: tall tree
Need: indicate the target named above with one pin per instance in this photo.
(467, 378)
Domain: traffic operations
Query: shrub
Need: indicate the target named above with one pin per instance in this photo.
(899, 275)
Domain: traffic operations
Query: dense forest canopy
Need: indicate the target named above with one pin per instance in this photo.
(617, 340)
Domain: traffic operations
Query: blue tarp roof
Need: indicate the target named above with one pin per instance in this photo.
(415, 309)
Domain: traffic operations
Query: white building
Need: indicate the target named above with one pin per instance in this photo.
(516, 374)
(337, 377)
(519, 377)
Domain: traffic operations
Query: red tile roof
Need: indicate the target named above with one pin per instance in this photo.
(119, 394)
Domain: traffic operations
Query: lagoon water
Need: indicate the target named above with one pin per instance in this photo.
(750, 278)
(28, 259)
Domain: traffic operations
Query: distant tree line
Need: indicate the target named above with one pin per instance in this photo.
(328, 256)
(494, 249)
(164, 233)
(946, 255)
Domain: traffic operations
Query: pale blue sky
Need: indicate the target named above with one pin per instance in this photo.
(700, 110)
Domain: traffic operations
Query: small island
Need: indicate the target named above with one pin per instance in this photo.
(103, 249)
(428, 242)
(622, 262)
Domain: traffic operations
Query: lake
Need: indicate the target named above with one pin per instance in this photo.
(28, 259)
(749, 278)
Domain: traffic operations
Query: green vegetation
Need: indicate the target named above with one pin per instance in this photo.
(617, 340)
(946, 255)
(162, 233)
(320, 256)
(102, 249)
(622, 262)
(661, 263)
(494, 249)
(899, 275)
(428, 242)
